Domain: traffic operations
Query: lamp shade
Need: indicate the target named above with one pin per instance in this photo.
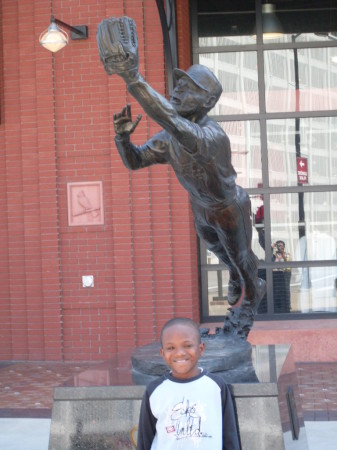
(54, 38)
(271, 26)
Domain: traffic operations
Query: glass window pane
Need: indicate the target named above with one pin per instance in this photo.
(302, 290)
(233, 23)
(246, 151)
(300, 37)
(300, 79)
(315, 145)
(217, 292)
(281, 291)
(217, 41)
(299, 19)
(258, 238)
(314, 289)
(226, 23)
(211, 258)
(307, 223)
(237, 73)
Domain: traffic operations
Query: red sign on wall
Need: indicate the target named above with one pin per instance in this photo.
(302, 170)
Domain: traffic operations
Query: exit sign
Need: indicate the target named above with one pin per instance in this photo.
(302, 170)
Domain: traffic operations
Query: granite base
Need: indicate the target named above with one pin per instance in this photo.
(102, 417)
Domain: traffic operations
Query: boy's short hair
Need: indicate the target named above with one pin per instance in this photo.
(180, 321)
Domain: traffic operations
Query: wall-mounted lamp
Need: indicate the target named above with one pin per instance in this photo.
(271, 26)
(55, 38)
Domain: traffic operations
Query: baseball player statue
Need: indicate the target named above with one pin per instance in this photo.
(199, 152)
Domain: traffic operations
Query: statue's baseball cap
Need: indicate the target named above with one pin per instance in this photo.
(202, 77)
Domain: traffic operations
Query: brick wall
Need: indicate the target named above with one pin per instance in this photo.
(56, 128)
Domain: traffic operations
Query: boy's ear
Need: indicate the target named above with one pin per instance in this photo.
(161, 352)
(202, 348)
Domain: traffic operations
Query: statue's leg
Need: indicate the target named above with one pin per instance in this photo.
(210, 236)
(234, 231)
(227, 232)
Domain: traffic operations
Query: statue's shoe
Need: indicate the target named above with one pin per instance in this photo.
(234, 292)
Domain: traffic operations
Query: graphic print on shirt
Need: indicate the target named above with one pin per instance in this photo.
(186, 421)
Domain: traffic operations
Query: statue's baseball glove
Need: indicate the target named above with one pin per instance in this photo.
(118, 45)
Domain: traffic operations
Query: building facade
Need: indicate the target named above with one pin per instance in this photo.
(94, 258)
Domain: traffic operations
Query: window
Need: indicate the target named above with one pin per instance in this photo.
(279, 109)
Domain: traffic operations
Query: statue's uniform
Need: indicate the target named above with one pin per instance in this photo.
(200, 154)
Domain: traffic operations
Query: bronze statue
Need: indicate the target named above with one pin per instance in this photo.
(199, 152)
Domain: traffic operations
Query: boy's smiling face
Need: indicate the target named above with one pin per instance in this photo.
(181, 349)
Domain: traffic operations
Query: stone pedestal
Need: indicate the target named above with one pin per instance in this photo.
(101, 417)
(94, 418)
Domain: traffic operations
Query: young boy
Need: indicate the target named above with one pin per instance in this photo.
(187, 408)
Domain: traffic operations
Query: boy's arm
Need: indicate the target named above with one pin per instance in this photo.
(230, 435)
(146, 425)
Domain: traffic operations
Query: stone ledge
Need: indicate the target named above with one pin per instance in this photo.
(311, 340)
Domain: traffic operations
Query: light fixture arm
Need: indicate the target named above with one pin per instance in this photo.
(78, 32)
(331, 36)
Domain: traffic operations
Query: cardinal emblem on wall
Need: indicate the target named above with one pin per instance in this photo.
(85, 203)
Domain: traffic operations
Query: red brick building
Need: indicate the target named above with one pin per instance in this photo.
(56, 128)
(69, 208)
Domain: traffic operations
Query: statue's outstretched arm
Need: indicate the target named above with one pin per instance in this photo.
(118, 48)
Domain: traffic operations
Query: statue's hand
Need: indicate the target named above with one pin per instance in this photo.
(118, 46)
(123, 122)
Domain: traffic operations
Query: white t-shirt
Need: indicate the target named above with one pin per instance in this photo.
(195, 413)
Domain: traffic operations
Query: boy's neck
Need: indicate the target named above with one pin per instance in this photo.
(198, 372)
